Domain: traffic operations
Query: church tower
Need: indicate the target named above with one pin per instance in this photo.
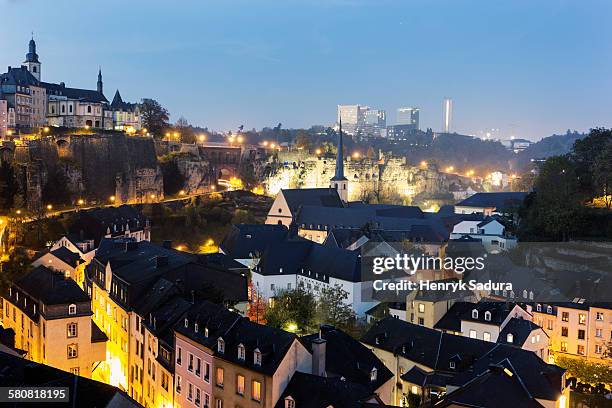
(100, 85)
(339, 182)
(31, 61)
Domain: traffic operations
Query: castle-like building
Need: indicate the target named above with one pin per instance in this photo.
(28, 102)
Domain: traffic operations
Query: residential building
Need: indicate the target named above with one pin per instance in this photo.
(576, 329)
(62, 260)
(4, 123)
(288, 202)
(245, 243)
(52, 320)
(336, 354)
(25, 97)
(253, 365)
(430, 363)
(83, 392)
(126, 116)
(490, 203)
(490, 231)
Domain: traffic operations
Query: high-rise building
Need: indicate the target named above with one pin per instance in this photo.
(375, 123)
(408, 116)
(352, 117)
(448, 115)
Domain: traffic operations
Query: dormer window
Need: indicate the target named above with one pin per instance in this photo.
(474, 314)
(488, 316)
(206, 332)
(221, 345)
(186, 323)
(72, 310)
(510, 338)
(549, 309)
(539, 307)
(289, 402)
(524, 293)
(196, 328)
(257, 357)
(451, 365)
(373, 374)
(241, 352)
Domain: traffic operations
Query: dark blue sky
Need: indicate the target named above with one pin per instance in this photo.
(528, 67)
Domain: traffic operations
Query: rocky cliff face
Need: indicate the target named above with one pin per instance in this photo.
(96, 166)
(382, 179)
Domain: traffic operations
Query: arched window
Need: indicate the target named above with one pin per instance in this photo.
(510, 338)
(549, 309)
(474, 314)
(524, 293)
(72, 309)
(186, 323)
(488, 316)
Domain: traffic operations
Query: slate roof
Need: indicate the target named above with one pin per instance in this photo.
(94, 224)
(520, 330)
(84, 95)
(119, 104)
(424, 378)
(311, 391)
(97, 335)
(244, 241)
(348, 358)
(494, 387)
(542, 380)
(67, 256)
(500, 201)
(216, 318)
(83, 392)
(451, 321)
(18, 76)
(428, 347)
(273, 344)
(322, 197)
(50, 287)
(499, 312)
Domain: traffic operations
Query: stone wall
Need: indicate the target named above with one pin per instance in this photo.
(383, 179)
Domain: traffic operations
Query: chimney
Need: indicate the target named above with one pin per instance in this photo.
(318, 356)
(167, 244)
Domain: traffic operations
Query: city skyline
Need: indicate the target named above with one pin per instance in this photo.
(203, 65)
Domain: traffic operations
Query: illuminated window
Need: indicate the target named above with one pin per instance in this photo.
(581, 318)
(73, 351)
(219, 377)
(472, 334)
(72, 329)
(256, 391)
(486, 336)
(421, 308)
(510, 338)
(565, 316)
(240, 384)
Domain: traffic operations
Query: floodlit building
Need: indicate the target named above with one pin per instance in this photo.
(52, 320)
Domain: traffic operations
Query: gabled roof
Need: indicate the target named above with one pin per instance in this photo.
(119, 104)
(84, 95)
(542, 380)
(520, 330)
(83, 392)
(66, 256)
(50, 287)
(311, 391)
(215, 319)
(451, 321)
(95, 224)
(494, 387)
(273, 344)
(348, 358)
(499, 201)
(245, 241)
(322, 197)
(499, 312)
(428, 347)
(18, 76)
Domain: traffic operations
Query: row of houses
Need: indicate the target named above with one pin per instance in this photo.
(29, 102)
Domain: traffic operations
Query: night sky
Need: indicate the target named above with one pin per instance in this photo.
(529, 68)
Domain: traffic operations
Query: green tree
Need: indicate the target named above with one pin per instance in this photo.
(585, 150)
(8, 186)
(592, 373)
(292, 309)
(332, 308)
(602, 174)
(154, 117)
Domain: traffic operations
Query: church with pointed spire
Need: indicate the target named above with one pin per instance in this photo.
(339, 182)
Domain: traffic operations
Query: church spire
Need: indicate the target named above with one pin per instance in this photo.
(339, 158)
(100, 85)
